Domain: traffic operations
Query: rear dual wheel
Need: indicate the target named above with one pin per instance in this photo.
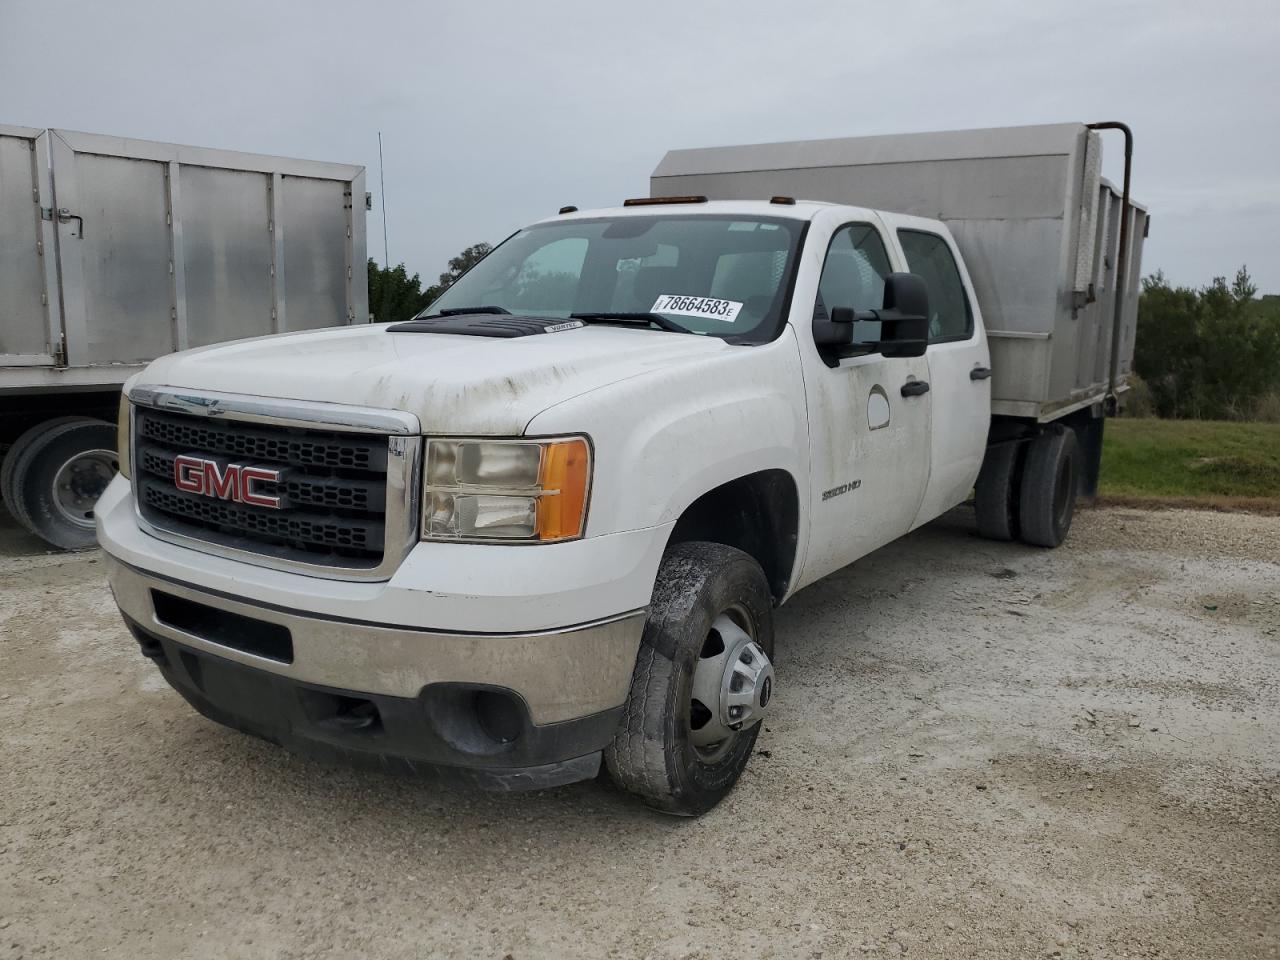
(996, 493)
(1050, 485)
(1027, 489)
(702, 683)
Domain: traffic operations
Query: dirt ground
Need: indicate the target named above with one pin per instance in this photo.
(978, 750)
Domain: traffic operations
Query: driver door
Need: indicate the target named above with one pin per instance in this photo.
(869, 442)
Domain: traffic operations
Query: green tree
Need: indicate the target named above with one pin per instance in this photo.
(463, 262)
(394, 295)
(1212, 353)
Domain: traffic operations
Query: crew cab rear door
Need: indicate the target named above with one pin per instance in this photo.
(868, 437)
(959, 364)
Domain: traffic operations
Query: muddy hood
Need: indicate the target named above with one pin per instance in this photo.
(453, 384)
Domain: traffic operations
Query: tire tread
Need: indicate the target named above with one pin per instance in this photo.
(996, 500)
(36, 441)
(1039, 478)
(640, 759)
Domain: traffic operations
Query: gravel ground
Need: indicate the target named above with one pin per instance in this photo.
(978, 750)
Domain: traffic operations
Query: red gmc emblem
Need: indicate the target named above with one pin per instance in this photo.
(208, 478)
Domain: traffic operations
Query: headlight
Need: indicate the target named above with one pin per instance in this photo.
(124, 423)
(533, 491)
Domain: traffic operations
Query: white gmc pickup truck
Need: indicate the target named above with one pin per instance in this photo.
(546, 522)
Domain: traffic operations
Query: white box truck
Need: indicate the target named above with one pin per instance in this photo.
(545, 524)
(116, 251)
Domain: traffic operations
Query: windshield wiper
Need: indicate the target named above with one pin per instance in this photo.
(467, 311)
(657, 319)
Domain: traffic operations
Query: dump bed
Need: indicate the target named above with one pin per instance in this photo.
(115, 251)
(1037, 224)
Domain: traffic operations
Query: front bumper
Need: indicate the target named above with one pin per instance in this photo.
(441, 587)
(389, 696)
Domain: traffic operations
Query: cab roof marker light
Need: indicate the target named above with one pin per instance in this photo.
(655, 201)
(569, 209)
(785, 201)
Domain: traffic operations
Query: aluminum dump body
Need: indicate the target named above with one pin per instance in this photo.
(115, 251)
(1037, 224)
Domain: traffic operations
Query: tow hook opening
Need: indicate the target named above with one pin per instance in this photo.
(342, 714)
(499, 715)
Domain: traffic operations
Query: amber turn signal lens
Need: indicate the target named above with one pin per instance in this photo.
(564, 478)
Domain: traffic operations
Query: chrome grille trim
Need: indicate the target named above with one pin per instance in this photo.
(404, 455)
(268, 410)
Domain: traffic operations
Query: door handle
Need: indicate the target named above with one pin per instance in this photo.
(66, 216)
(914, 388)
(980, 373)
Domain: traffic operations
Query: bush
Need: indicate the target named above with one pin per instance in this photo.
(1137, 401)
(1211, 354)
(1267, 408)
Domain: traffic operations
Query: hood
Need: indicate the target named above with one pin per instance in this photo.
(452, 383)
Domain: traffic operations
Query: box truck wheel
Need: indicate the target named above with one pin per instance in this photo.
(996, 493)
(1050, 483)
(54, 474)
(15, 450)
(702, 681)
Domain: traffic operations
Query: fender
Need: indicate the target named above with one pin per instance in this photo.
(664, 439)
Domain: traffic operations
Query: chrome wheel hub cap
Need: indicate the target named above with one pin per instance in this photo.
(732, 685)
(79, 482)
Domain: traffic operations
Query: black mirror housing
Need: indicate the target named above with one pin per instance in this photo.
(904, 320)
(836, 332)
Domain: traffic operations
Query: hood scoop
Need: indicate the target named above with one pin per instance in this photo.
(486, 325)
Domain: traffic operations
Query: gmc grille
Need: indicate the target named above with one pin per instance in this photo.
(332, 489)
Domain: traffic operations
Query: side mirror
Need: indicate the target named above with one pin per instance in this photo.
(836, 332)
(904, 320)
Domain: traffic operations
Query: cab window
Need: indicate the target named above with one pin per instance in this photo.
(547, 276)
(714, 275)
(853, 276)
(929, 256)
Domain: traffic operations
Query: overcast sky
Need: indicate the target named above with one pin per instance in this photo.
(496, 114)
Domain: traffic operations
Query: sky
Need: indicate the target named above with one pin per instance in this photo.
(495, 114)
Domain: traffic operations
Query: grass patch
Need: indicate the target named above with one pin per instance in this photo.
(1211, 463)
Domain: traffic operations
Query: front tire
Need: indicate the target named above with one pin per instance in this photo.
(711, 603)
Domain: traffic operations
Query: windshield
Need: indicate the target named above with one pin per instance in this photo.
(721, 276)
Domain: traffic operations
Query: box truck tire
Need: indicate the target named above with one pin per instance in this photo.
(996, 494)
(24, 440)
(54, 474)
(1050, 483)
(702, 681)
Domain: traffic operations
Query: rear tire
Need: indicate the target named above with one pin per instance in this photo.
(7, 491)
(654, 754)
(54, 474)
(996, 493)
(1050, 484)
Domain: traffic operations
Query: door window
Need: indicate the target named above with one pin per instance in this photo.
(929, 256)
(853, 276)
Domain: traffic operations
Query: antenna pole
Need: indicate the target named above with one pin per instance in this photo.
(382, 186)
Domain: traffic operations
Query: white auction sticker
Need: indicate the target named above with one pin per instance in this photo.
(709, 308)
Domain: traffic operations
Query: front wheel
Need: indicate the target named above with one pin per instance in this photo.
(702, 683)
